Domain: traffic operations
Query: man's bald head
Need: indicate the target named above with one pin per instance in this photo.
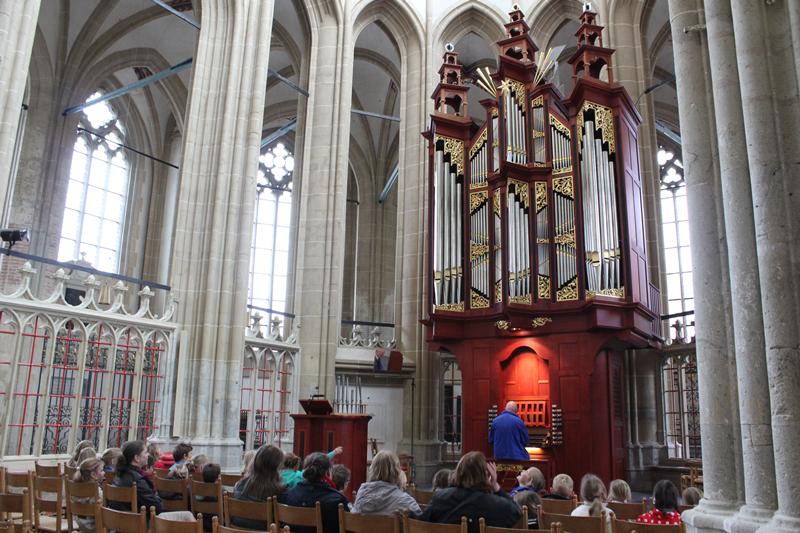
(511, 407)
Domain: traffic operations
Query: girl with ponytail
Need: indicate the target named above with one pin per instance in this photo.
(593, 494)
(130, 473)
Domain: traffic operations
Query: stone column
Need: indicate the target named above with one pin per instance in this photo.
(748, 330)
(769, 97)
(323, 203)
(715, 361)
(214, 222)
(17, 29)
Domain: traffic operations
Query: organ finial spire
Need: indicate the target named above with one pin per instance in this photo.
(450, 95)
(590, 58)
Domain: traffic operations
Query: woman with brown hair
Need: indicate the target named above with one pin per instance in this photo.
(382, 494)
(475, 493)
(89, 470)
(262, 481)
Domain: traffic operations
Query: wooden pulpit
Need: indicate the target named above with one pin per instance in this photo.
(319, 430)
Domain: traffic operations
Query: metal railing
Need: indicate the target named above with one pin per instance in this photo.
(367, 334)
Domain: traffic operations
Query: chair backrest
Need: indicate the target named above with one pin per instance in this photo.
(112, 493)
(16, 482)
(574, 524)
(120, 521)
(422, 496)
(624, 526)
(523, 521)
(48, 497)
(559, 506)
(206, 491)
(47, 470)
(174, 493)
(69, 471)
(362, 523)
(230, 480)
(627, 511)
(82, 498)
(8, 526)
(165, 525)
(299, 516)
(274, 528)
(160, 472)
(411, 525)
(16, 503)
(554, 528)
(256, 511)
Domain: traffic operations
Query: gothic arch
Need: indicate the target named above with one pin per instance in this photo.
(547, 18)
(485, 21)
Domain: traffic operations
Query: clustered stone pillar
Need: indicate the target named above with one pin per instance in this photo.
(715, 355)
(215, 217)
(748, 330)
(768, 84)
(17, 30)
(753, 66)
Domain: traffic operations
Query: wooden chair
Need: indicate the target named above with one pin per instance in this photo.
(79, 492)
(523, 521)
(418, 526)
(48, 505)
(169, 489)
(624, 526)
(627, 511)
(69, 471)
(216, 527)
(233, 508)
(160, 472)
(8, 526)
(230, 480)
(112, 493)
(18, 505)
(559, 506)
(554, 528)
(164, 525)
(207, 491)
(574, 524)
(120, 521)
(423, 497)
(299, 516)
(17, 482)
(47, 470)
(361, 523)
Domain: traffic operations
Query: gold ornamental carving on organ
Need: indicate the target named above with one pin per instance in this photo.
(557, 124)
(477, 301)
(457, 307)
(521, 191)
(568, 291)
(495, 112)
(502, 324)
(543, 287)
(517, 88)
(565, 238)
(477, 250)
(477, 199)
(479, 142)
(563, 186)
(540, 321)
(522, 299)
(538, 101)
(498, 291)
(496, 202)
(540, 192)
(604, 120)
(454, 147)
(618, 292)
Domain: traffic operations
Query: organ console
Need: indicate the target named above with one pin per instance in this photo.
(538, 274)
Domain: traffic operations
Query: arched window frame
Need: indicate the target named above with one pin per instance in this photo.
(97, 194)
(452, 408)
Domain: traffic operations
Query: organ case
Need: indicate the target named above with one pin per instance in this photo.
(537, 234)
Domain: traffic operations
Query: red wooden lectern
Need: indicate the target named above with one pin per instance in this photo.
(319, 430)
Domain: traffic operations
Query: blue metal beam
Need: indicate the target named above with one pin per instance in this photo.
(185, 18)
(287, 81)
(277, 134)
(389, 184)
(668, 133)
(183, 65)
(375, 115)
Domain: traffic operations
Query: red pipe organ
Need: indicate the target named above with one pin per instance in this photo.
(538, 276)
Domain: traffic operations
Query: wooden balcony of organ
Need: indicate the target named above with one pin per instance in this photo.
(537, 271)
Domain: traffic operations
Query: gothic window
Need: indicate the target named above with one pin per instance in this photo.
(265, 398)
(269, 258)
(96, 195)
(676, 246)
(681, 408)
(451, 408)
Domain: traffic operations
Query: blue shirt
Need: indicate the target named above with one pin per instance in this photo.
(509, 437)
